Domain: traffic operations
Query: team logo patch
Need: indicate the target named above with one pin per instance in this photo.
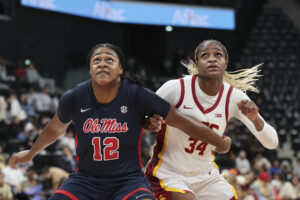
(218, 115)
(124, 109)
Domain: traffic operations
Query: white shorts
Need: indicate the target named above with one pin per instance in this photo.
(208, 185)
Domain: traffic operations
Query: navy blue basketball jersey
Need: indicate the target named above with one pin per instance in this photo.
(109, 135)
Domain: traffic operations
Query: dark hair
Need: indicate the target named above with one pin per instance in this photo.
(121, 57)
(203, 43)
(113, 47)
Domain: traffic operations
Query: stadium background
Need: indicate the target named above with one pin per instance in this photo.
(266, 32)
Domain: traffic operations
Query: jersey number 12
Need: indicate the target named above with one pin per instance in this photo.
(110, 151)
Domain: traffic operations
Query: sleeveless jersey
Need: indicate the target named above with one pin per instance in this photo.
(108, 138)
(175, 149)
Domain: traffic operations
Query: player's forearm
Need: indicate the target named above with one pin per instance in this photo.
(268, 136)
(195, 129)
(48, 136)
(258, 123)
(201, 132)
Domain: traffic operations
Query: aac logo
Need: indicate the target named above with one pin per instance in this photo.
(124, 109)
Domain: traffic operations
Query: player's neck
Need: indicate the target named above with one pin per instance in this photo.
(210, 87)
(106, 94)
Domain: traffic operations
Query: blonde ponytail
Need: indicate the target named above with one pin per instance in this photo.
(243, 79)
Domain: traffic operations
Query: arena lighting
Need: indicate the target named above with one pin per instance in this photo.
(169, 28)
(27, 62)
(163, 14)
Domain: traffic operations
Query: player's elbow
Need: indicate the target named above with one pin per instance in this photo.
(273, 144)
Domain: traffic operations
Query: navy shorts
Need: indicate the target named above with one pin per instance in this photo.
(80, 186)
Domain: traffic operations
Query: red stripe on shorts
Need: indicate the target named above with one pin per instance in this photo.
(139, 189)
(66, 193)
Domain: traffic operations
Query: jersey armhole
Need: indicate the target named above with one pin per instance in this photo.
(181, 93)
(227, 103)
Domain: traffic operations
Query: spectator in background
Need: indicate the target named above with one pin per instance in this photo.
(3, 73)
(14, 128)
(20, 73)
(3, 107)
(242, 164)
(262, 187)
(230, 162)
(28, 108)
(27, 183)
(44, 102)
(297, 167)
(276, 183)
(261, 163)
(290, 190)
(249, 194)
(2, 158)
(66, 161)
(13, 177)
(5, 190)
(26, 136)
(32, 97)
(68, 140)
(286, 170)
(275, 168)
(15, 109)
(34, 78)
(232, 180)
(56, 175)
(32, 75)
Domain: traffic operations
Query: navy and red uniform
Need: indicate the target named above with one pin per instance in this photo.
(108, 142)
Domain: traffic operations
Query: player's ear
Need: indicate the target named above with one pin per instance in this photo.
(121, 70)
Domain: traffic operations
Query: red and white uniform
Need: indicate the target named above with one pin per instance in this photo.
(184, 164)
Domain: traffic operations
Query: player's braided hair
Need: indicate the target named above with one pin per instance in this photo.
(243, 79)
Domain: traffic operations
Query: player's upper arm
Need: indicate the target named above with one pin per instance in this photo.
(170, 91)
(235, 97)
(56, 125)
(66, 106)
(149, 103)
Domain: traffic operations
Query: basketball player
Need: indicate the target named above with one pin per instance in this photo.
(183, 167)
(108, 112)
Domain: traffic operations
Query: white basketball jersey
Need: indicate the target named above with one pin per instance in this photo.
(182, 153)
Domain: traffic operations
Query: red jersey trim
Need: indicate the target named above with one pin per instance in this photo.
(227, 103)
(66, 193)
(181, 94)
(139, 189)
(76, 157)
(140, 148)
(198, 103)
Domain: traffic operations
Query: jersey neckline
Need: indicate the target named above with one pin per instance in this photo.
(107, 105)
(205, 111)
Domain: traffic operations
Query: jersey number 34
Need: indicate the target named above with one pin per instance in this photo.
(197, 144)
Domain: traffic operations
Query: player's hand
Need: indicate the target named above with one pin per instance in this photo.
(18, 158)
(227, 141)
(249, 109)
(154, 123)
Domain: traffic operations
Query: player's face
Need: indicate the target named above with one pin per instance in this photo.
(105, 66)
(211, 61)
